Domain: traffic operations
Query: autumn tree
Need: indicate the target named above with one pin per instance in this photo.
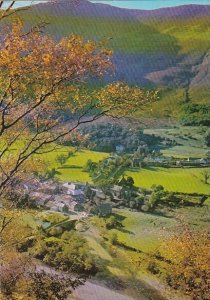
(187, 253)
(21, 279)
(43, 95)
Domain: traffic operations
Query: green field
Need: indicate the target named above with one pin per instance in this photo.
(173, 179)
(72, 170)
(145, 232)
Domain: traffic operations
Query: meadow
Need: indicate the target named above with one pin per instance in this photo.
(185, 180)
(173, 179)
(72, 170)
(144, 233)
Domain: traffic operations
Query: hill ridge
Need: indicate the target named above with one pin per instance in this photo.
(170, 54)
(87, 8)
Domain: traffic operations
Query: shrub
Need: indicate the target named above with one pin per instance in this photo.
(153, 268)
(114, 238)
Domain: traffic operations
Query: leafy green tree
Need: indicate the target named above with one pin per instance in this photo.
(88, 166)
(156, 196)
(130, 181)
(114, 238)
(61, 159)
(195, 114)
(112, 222)
(67, 252)
(50, 174)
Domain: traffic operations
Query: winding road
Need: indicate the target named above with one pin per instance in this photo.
(92, 291)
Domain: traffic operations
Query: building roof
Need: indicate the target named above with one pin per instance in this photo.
(117, 188)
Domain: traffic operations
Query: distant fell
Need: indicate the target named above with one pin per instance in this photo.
(166, 48)
(88, 9)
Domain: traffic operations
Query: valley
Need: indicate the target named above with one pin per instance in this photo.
(104, 152)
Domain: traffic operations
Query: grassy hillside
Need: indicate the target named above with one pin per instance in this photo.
(145, 233)
(126, 36)
(160, 53)
(185, 36)
(191, 34)
(189, 139)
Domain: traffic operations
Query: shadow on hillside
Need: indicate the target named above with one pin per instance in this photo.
(120, 226)
(159, 214)
(119, 218)
(70, 167)
(122, 229)
(148, 168)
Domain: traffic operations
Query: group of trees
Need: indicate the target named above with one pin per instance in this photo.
(195, 114)
(108, 171)
(67, 252)
(62, 158)
(105, 137)
(20, 279)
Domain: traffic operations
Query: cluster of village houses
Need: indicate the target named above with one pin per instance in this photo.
(70, 197)
(171, 162)
(67, 197)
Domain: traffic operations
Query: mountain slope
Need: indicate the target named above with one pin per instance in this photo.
(166, 48)
(86, 8)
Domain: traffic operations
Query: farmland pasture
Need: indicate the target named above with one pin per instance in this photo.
(190, 143)
(145, 232)
(72, 170)
(173, 179)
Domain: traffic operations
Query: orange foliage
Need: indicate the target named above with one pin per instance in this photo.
(43, 95)
(189, 253)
